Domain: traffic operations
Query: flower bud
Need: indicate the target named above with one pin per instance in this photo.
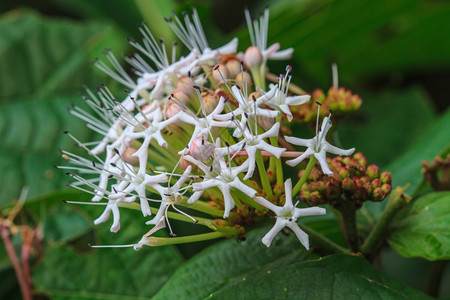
(233, 67)
(185, 85)
(376, 182)
(348, 184)
(315, 198)
(128, 156)
(378, 195)
(201, 149)
(386, 177)
(220, 69)
(265, 122)
(210, 101)
(373, 171)
(184, 164)
(172, 110)
(180, 96)
(386, 188)
(253, 57)
(360, 194)
(243, 78)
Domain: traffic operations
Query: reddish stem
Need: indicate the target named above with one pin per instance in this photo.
(26, 293)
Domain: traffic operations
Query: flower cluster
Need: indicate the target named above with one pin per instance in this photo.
(200, 131)
(337, 100)
(437, 173)
(352, 180)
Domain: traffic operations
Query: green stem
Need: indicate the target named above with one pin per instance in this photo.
(277, 161)
(309, 167)
(322, 242)
(396, 201)
(263, 175)
(203, 207)
(347, 210)
(158, 241)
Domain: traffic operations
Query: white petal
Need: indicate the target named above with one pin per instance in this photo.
(309, 211)
(335, 150)
(321, 157)
(268, 238)
(296, 161)
(301, 235)
(298, 141)
(297, 100)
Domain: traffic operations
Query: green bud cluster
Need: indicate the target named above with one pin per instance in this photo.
(352, 180)
(339, 100)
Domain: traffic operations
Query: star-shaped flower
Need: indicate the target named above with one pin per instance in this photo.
(225, 178)
(318, 147)
(251, 143)
(287, 216)
(281, 101)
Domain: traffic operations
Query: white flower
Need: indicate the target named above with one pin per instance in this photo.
(287, 216)
(225, 178)
(280, 100)
(170, 197)
(205, 123)
(249, 107)
(251, 143)
(318, 147)
(258, 35)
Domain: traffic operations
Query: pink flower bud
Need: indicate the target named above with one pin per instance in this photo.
(386, 177)
(218, 70)
(128, 156)
(185, 85)
(233, 67)
(253, 57)
(201, 149)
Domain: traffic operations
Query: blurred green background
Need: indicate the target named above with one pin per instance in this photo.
(394, 54)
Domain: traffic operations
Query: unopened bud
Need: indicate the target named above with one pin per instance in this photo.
(253, 57)
(234, 67)
(172, 110)
(180, 96)
(386, 177)
(265, 122)
(386, 188)
(348, 184)
(376, 182)
(201, 149)
(185, 85)
(378, 195)
(315, 198)
(218, 70)
(184, 164)
(244, 78)
(210, 102)
(128, 156)
(373, 171)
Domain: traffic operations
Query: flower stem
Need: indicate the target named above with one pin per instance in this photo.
(278, 166)
(302, 180)
(347, 209)
(159, 241)
(263, 175)
(396, 201)
(322, 242)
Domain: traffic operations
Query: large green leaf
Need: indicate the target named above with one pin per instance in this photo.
(228, 262)
(366, 38)
(423, 230)
(43, 64)
(406, 168)
(230, 270)
(115, 273)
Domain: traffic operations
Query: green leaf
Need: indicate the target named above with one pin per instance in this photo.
(334, 277)
(228, 262)
(112, 273)
(43, 63)
(366, 38)
(423, 229)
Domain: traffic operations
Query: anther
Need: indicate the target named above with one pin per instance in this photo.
(318, 103)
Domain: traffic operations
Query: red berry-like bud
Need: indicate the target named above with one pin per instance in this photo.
(386, 177)
(386, 188)
(378, 195)
(315, 198)
(348, 184)
(376, 182)
(373, 171)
